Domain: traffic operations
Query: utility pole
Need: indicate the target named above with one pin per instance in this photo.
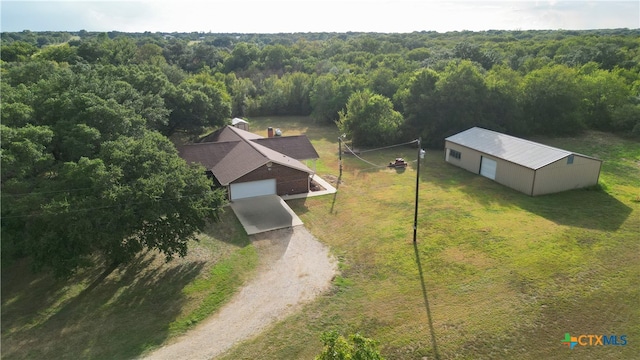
(415, 217)
(340, 156)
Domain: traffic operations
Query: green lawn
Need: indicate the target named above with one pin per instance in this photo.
(495, 274)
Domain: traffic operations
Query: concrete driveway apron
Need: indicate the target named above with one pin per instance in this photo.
(264, 213)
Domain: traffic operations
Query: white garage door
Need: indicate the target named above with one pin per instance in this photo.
(253, 188)
(488, 168)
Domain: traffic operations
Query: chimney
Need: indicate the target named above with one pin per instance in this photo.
(270, 132)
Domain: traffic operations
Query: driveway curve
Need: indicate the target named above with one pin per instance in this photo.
(295, 268)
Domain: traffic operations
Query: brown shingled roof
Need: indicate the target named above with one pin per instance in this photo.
(206, 154)
(298, 147)
(230, 153)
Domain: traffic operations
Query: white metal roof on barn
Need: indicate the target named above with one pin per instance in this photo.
(523, 152)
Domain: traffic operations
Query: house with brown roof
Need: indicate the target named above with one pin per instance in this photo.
(249, 165)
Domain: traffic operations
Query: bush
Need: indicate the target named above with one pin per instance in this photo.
(358, 347)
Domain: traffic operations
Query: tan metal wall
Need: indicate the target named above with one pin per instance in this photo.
(470, 159)
(509, 174)
(514, 176)
(560, 176)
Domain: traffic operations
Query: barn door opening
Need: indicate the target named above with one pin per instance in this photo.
(488, 168)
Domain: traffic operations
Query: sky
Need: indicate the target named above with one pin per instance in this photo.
(289, 16)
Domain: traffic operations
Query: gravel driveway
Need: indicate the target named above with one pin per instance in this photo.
(295, 268)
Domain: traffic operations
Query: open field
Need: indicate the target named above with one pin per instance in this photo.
(494, 274)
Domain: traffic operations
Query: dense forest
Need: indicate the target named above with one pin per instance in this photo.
(86, 116)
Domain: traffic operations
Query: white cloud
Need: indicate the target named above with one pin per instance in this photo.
(250, 16)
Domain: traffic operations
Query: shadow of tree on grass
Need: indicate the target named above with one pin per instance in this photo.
(117, 318)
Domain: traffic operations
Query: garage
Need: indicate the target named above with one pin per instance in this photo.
(524, 165)
(252, 188)
(488, 168)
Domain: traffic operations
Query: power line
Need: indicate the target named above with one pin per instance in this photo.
(390, 146)
(381, 148)
(356, 155)
(378, 167)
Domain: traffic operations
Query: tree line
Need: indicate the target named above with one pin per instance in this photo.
(591, 76)
(88, 172)
(87, 166)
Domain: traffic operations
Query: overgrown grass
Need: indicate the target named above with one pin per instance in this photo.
(495, 273)
(132, 310)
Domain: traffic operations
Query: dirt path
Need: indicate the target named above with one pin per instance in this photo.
(295, 268)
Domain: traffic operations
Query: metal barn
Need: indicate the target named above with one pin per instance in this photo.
(526, 166)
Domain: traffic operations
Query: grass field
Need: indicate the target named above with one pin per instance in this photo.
(495, 274)
(135, 308)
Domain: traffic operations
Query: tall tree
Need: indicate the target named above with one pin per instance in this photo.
(59, 53)
(370, 120)
(83, 175)
(17, 51)
(136, 194)
(604, 91)
(552, 101)
(330, 95)
(241, 89)
(502, 104)
(199, 102)
(462, 95)
(242, 55)
(419, 102)
(275, 56)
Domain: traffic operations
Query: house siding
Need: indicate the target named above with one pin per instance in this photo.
(288, 181)
(560, 176)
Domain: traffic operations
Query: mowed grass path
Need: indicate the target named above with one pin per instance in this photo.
(495, 274)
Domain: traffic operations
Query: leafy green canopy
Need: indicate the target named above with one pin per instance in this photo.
(370, 120)
(85, 173)
(520, 82)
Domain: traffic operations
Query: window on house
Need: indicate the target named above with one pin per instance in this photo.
(570, 160)
(455, 154)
